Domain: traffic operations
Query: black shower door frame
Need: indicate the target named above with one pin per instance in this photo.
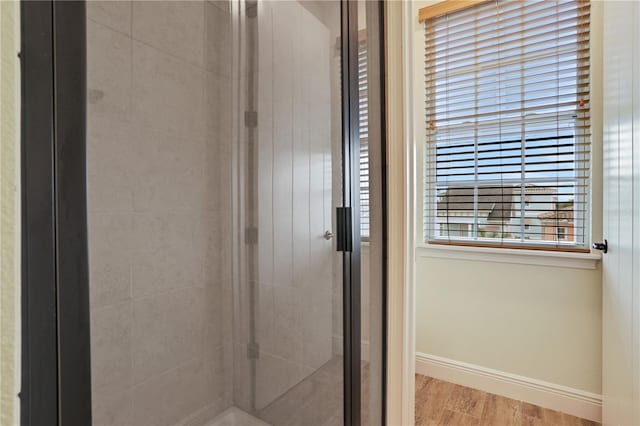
(56, 356)
(352, 315)
(55, 353)
(348, 226)
(352, 311)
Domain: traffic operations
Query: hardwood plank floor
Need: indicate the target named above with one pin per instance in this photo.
(440, 403)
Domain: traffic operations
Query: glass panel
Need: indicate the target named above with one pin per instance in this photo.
(214, 170)
(290, 275)
(372, 296)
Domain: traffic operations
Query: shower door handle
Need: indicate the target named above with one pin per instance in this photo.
(343, 225)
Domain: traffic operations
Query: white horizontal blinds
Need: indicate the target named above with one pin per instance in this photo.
(507, 124)
(363, 106)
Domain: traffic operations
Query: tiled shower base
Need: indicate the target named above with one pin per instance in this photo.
(236, 417)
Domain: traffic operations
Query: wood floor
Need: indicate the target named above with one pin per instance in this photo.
(444, 403)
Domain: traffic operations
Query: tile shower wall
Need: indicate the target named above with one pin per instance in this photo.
(159, 133)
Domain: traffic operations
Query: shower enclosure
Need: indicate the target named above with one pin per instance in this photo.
(230, 156)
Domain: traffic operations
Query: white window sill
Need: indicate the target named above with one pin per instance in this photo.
(505, 255)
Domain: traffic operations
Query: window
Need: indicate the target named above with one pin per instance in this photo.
(507, 124)
(363, 100)
(562, 234)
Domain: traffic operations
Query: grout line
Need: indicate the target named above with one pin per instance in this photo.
(131, 299)
(109, 27)
(165, 372)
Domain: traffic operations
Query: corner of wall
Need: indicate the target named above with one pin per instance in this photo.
(9, 213)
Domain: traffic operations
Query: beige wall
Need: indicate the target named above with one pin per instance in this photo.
(535, 321)
(9, 213)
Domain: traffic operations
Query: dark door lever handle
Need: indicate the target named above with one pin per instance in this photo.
(603, 246)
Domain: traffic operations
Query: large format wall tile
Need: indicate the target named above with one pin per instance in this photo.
(114, 14)
(111, 165)
(166, 331)
(111, 349)
(218, 141)
(168, 398)
(169, 172)
(110, 249)
(213, 332)
(112, 409)
(159, 202)
(175, 27)
(219, 106)
(108, 72)
(274, 376)
(166, 257)
(167, 92)
(215, 227)
(218, 38)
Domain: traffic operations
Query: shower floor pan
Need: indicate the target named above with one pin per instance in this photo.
(236, 417)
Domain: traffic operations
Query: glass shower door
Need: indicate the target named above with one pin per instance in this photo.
(219, 148)
(289, 278)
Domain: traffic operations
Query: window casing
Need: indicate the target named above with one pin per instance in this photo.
(507, 123)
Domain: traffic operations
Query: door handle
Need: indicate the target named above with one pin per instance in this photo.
(343, 229)
(603, 246)
(328, 235)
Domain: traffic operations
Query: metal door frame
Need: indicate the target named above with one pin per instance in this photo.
(56, 380)
(352, 317)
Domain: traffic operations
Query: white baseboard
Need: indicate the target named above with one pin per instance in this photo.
(556, 397)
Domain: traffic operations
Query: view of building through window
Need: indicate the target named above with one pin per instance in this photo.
(499, 215)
